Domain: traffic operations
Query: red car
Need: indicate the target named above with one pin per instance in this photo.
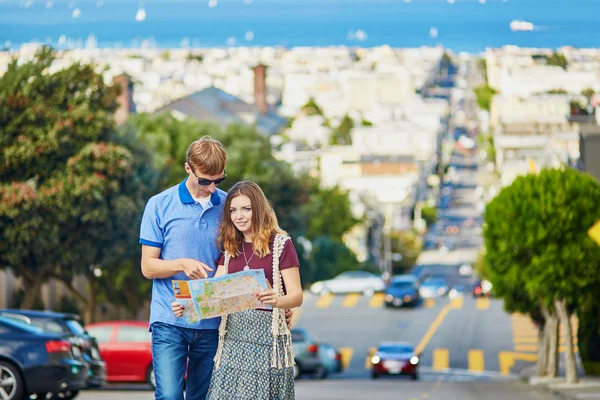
(395, 358)
(126, 347)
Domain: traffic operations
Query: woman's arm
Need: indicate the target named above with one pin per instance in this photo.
(294, 296)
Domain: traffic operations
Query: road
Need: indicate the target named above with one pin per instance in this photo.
(382, 390)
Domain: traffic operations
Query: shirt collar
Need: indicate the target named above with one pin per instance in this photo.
(186, 197)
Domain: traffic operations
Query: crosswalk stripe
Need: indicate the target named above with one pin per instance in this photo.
(372, 351)
(525, 339)
(351, 300)
(483, 303)
(457, 303)
(346, 353)
(440, 359)
(526, 347)
(377, 300)
(429, 303)
(476, 362)
(324, 301)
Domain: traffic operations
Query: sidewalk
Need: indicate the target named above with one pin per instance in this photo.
(588, 387)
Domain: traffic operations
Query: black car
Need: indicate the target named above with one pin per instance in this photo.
(402, 290)
(35, 362)
(54, 322)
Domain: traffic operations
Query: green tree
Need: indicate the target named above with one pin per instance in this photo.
(589, 92)
(536, 232)
(328, 212)
(557, 59)
(311, 108)
(409, 245)
(70, 193)
(342, 134)
(327, 259)
(484, 94)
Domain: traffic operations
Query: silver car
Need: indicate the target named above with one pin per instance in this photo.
(350, 282)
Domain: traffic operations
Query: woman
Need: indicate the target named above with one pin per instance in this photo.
(254, 358)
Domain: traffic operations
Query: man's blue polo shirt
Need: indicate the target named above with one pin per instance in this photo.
(181, 228)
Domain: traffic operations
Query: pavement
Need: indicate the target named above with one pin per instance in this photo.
(588, 387)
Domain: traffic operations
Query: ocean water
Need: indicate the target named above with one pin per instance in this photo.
(465, 25)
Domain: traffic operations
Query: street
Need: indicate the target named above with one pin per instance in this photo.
(384, 390)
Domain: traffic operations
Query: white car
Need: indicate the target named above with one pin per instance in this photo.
(350, 282)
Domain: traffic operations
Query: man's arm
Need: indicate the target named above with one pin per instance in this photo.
(155, 268)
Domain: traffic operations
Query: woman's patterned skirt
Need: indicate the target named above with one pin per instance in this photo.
(245, 372)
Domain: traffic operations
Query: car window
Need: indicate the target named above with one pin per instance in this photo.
(48, 325)
(297, 337)
(75, 327)
(133, 334)
(102, 334)
(402, 285)
(395, 349)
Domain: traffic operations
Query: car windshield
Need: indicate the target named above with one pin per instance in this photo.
(434, 282)
(395, 349)
(401, 285)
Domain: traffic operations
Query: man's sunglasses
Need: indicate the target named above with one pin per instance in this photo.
(207, 182)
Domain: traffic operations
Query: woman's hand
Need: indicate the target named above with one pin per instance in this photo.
(177, 309)
(268, 297)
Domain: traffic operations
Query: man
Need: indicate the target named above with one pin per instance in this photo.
(178, 235)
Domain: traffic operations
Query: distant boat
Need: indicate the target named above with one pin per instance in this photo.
(433, 32)
(140, 15)
(521, 26)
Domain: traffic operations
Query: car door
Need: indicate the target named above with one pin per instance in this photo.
(133, 352)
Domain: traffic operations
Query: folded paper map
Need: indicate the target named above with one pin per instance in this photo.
(215, 297)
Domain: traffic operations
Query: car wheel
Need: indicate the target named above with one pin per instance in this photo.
(415, 376)
(320, 372)
(368, 292)
(11, 381)
(296, 371)
(374, 375)
(150, 378)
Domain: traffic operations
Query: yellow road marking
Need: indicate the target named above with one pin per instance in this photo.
(526, 347)
(346, 353)
(351, 300)
(457, 303)
(325, 301)
(507, 360)
(429, 303)
(476, 362)
(525, 339)
(525, 333)
(296, 313)
(377, 300)
(432, 328)
(441, 359)
(372, 351)
(483, 303)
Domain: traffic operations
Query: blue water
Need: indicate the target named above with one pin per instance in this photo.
(466, 25)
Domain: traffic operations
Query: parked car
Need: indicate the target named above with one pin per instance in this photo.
(126, 347)
(402, 290)
(331, 358)
(482, 288)
(395, 358)
(53, 322)
(306, 354)
(350, 282)
(459, 290)
(36, 362)
(433, 287)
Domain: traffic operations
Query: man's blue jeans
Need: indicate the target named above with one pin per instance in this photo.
(171, 348)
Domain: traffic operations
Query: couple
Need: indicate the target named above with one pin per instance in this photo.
(245, 355)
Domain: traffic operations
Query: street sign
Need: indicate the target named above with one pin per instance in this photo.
(594, 232)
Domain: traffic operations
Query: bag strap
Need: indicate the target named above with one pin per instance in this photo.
(223, 324)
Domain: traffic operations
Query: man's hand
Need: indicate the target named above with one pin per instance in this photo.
(194, 269)
(288, 318)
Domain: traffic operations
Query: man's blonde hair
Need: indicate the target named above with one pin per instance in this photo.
(207, 156)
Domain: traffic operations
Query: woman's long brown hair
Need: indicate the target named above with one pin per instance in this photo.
(264, 221)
